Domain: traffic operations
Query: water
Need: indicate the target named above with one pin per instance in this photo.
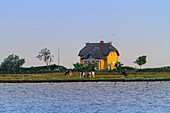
(102, 97)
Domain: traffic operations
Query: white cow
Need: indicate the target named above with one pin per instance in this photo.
(82, 74)
(70, 73)
(91, 74)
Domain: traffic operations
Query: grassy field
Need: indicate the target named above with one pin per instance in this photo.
(75, 76)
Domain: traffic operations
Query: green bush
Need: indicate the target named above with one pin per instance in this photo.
(38, 69)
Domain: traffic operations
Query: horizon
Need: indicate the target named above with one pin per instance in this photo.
(135, 28)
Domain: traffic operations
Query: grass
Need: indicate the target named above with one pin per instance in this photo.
(75, 76)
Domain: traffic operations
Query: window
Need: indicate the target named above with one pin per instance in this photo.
(113, 55)
(94, 49)
(90, 56)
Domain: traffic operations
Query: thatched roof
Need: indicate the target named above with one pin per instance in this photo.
(97, 50)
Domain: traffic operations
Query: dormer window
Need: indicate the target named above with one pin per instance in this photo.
(94, 49)
(90, 56)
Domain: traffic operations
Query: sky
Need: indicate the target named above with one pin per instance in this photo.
(135, 27)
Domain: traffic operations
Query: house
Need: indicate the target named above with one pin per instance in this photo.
(103, 53)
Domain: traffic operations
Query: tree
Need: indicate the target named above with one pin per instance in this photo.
(118, 66)
(91, 66)
(12, 63)
(46, 56)
(78, 66)
(81, 67)
(141, 60)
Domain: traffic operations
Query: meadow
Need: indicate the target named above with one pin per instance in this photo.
(138, 76)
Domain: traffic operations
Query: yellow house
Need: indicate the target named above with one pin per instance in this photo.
(103, 53)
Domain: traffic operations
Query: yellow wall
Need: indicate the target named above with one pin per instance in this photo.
(101, 64)
(81, 61)
(112, 57)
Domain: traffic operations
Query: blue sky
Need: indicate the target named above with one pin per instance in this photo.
(141, 27)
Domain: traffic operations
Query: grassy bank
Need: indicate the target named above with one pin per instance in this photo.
(75, 77)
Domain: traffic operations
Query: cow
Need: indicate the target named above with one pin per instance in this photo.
(82, 74)
(124, 73)
(93, 73)
(68, 72)
(90, 74)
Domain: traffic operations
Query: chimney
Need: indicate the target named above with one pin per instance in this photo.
(101, 42)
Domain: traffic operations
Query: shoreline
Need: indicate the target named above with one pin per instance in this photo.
(68, 81)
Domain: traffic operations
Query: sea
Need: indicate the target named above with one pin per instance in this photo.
(85, 97)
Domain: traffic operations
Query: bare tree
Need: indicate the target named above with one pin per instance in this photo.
(46, 56)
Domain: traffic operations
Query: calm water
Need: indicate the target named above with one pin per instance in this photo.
(102, 97)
